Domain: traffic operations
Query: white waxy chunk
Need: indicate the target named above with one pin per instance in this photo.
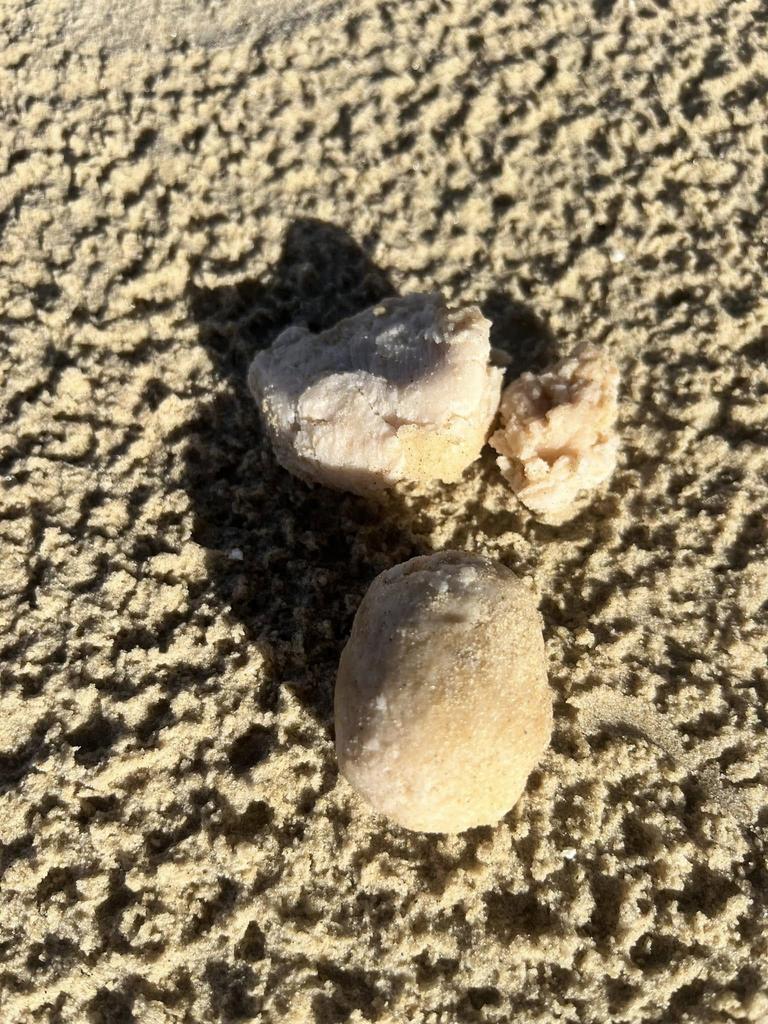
(557, 439)
(442, 705)
(403, 391)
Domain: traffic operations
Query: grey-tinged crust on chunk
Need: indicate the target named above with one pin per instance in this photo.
(442, 704)
(557, 440)
(403, 391)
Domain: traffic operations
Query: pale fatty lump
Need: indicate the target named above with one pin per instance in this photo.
(442, 706)
(557, 440)
(404, 391)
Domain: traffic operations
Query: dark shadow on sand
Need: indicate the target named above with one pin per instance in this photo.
(308, 553)
(520, 333)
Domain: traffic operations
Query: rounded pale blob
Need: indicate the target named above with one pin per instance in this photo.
(402, 391)
(442, 704)
(558, 439)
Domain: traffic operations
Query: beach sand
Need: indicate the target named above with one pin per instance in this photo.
(177, 844)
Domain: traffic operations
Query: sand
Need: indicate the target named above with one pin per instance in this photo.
(177, 844)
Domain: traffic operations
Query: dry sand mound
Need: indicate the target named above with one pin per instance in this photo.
(176, 842)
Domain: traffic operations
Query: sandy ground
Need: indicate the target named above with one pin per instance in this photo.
(176, 842)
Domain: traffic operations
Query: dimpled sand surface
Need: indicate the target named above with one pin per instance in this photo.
(176, 842)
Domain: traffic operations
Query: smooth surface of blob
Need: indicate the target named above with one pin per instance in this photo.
(557, 439)
(442, 705)
(402, 391)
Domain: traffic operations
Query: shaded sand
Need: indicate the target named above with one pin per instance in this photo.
(176, 843)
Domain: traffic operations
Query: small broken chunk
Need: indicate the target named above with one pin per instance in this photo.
(401, 392)
(558, 438)
(442, 706)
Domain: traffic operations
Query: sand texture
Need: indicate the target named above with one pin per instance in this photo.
(176, 843)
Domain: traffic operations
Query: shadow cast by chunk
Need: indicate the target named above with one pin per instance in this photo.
(321, 276)
(524, 337)
(291, 561)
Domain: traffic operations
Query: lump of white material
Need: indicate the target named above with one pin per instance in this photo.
(557, 438)
(402, 391)
(442, 705)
